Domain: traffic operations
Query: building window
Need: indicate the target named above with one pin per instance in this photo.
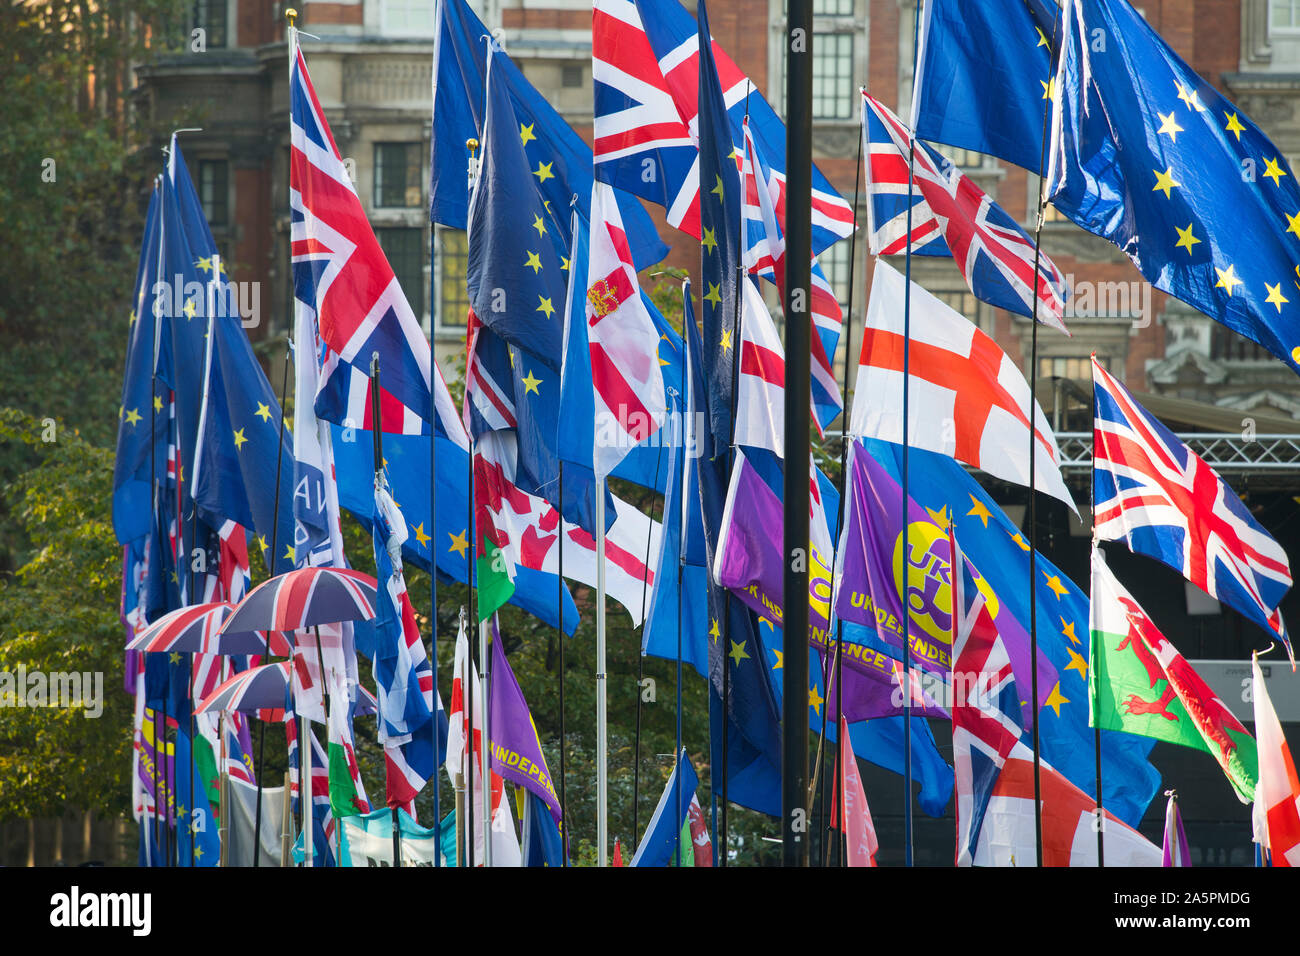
(451, 260)
(963, 302)
(408, 18)
(832, 8)
(214, 191)
(1227, 345)
(961, 158)
(404, 248)
(1284, 16)
(398, 175)
(834, 261)
(1069, 366)
(571, 75)
(833, 76)
(210, 17)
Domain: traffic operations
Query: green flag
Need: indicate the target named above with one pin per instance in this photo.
(493, 565)
(1142, 685)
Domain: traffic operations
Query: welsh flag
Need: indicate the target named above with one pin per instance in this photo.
(1145, 687)
(347, 792)
(494, 566)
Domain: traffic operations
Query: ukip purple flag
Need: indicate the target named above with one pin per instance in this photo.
(748, 563)
(869, 577)
(1177, 852)
(516, 750)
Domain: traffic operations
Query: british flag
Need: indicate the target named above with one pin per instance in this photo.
(986, 712)
(645, 71)
(951, 216)
(764, 255)
(1155, 494)
(341, 273)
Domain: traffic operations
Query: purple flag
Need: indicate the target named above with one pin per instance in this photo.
(154, 775)
(871, 555)
(748, 563)
(516, 750)
(1176, 850)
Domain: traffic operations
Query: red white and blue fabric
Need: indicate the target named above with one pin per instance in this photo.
(986, 712)
(622, 341)
(296, 600)
(489, 390)
(403, 674)
(764, 255)
(342, 274)
(1157, 496)
(952, 216)
(262, 688)
(322, 814)
(198, 629)
(645, 70)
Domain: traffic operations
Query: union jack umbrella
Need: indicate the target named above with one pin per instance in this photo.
(198, 629)
(264, 688)
(303, 598)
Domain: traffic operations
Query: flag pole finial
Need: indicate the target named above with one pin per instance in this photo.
(290, 14)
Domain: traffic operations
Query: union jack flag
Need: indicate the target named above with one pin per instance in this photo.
(341, 273)
(645, 68)
(1157, 496)
(764, 255)
(322, 815)
(986, 713)
(952, 216)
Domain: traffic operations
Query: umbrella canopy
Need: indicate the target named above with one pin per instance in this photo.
(304, 598)
(198, 629)
(258, 688)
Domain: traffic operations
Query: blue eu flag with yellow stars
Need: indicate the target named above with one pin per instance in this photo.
(720, 237)
(1149, 155)
(983, 77)
(518, 266)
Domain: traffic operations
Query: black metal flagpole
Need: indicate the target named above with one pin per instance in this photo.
(798, 407)
(640, 666)
(1032, 511)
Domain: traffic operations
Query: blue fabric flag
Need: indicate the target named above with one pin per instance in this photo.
(142, 419)
(720, 195)
(196, 827)
(983, 76)
(558, 159)
(996, 547)
(518, 273)
(663, 833)
(408, 472)
(541, 845)
(1150, 156)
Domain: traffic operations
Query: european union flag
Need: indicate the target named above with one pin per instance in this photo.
(518, 257)
(998, 549)
(559, 161)
(982, 82)
(142, 419)
(720, 236)
(1150, 156)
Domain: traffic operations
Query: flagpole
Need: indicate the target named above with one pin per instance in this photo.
(1032, 512)
(640, 664)
(681, 563)
(467, 683)
(905, 677)
(485, 751)
(602, 730)
(844, 489)
(275, 529)
(377, 435)
(1094, 686)
(153, 506)
(433, 571)
(559, 602)
(798, 408)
